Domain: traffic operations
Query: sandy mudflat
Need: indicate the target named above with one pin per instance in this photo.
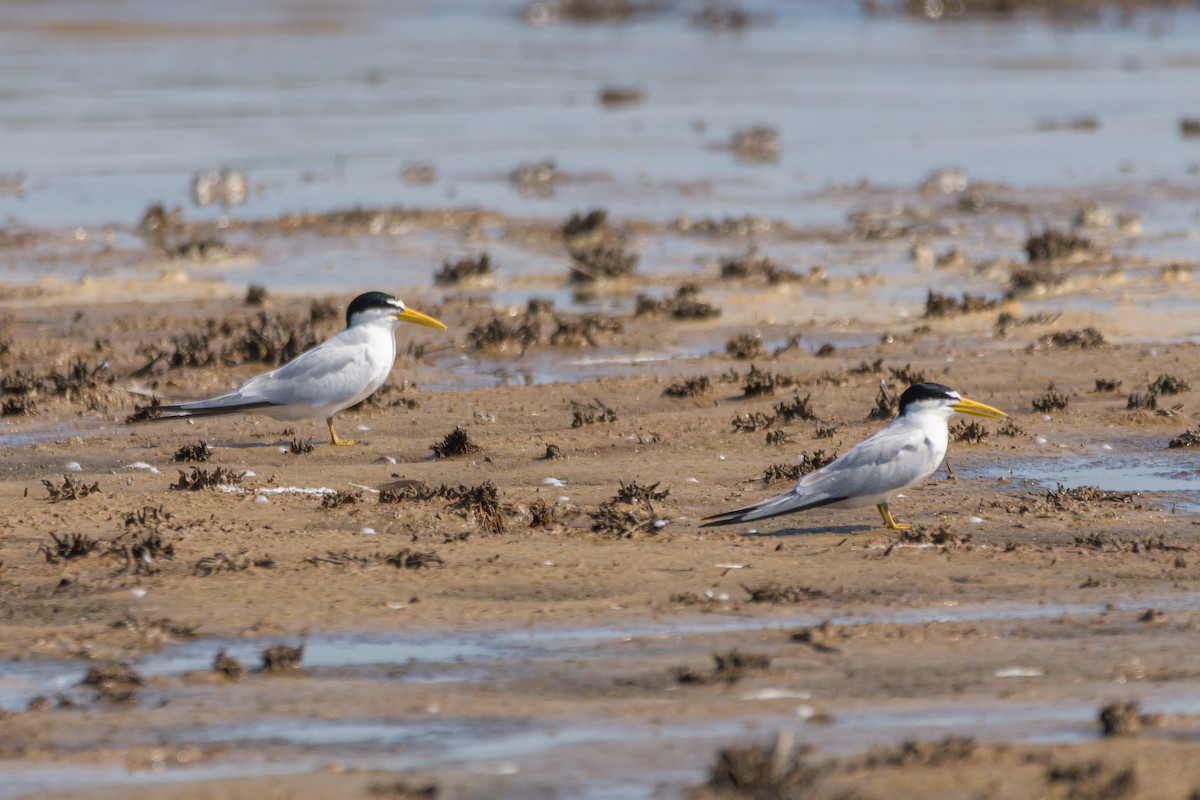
(551, 639)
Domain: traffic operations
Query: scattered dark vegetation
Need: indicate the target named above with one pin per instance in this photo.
(886, 405)
(264, 339)
(757, 144)
(542, 515)
(199, 478)
(341, 497)
(763, 773)
(760, 383)
(256, 295)
(69, 546)
(1037, 276)
(809, 462)
(1169, 384)
(228, 666)
(146, 516)
(1107, 385)
(18, 407)
(142, 553)
(536, 178)
(1121, 718)
(945, 305)
(282, 658)
(1010, 428)
(600, 262)
(581, 331)
(613, 96)
(553, 453)
(754, 267)
(1052, 400)
(457, 443)
(778, 594)
(408, 558)
(796, 408)
(221, 562)
(593, 413)
(1051, 244)
(728, 668)
(941, 536)
(202, 248)
(907, 376)
(464, 270)
(199, 451)
(634, 492)
(1189, 438)
(684, 304)
(691, 387)
(71, 489)
(299, 448)
(1061, 500)
(483, 503)
(1142, 401)
(752, 423)
(745, 347)
(970, 432)
(110, 676)
(1086, 339)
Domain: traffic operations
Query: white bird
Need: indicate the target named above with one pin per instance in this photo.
(898, 456)
(341, 371)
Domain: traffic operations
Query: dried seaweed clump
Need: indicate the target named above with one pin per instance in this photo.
(203, 248)
(79, 381)
(1107, 385)
(72, 545)
(969, 432)
(270, 339)
(587, 226)
(457, 443)
(745, 347)
(223, 562)
(946, 305)
(634, 492)
(19, 407)
(760, 382)
(71, 489)
(760, 143)
(1169, 384)
(141, 553)
(1142, 401)
(593, 413)
(483, 503)
(691, 387)
(282, 658)
(553, 453)
(1189, 438)
(728, 668)
(199, 479)
(763, 771)
(808, 462)
(601, 262)
(886, 404)
(256, 295)
(112, 676)
(1086, 339)
(582, 331)
(754, 267)
(342, 497)
(464, 270)
(545, 11)
(228, 666)
(499, 334)
(200, 451)
(797, 408)
(542, 515)
(778, 594)
(299, 448)
(684, 304)
(1121, 718)
(413, 559)
(1052, 400)
(1051, 245)
(752, 423)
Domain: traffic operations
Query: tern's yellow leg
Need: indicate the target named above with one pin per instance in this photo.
(333, 437)
(888, 521)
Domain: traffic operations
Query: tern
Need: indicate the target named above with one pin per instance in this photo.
(341, 371)
(896, 457)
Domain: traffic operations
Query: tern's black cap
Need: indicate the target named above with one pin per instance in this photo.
(371, 300)
(926, 391)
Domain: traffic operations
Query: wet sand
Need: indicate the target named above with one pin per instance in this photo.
(575, 633)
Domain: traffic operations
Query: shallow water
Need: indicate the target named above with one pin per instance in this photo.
(109, 107)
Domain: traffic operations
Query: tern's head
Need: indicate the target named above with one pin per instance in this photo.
(923, 398)
(380, 306)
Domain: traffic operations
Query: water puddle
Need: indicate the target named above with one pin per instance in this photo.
(1173, 474)
(55, 431)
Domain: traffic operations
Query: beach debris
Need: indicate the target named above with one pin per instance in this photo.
(71, 489)
(690, 387)
(946, 305)
(684, 304)
(601, 262)
(615, 96)
(1189, 438)
(1052, 245)
(1107, 385)
(1122, 718)
(757, 144)
(299, 448)
(553, 453)
(1085, 339)
(752, 422)
(282, 658)
(728, 668)
(808, 462)
(593, 413)
(456, 443)
(969, 432)
(413, 559)
(745, 347)
(228, 666)
(1052, 400)
(886, 404)
(759, 383)
(199, 451)
(199, 478)
(778, 594)
(797, 408)
(237, 561)
(483, 503)
(464, 270)
(542, 515)
(1169, 384)
(67, 547)
(342, 497)
(141, 553)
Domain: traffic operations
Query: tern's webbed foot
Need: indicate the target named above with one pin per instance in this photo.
(889, 522)
(333, 437)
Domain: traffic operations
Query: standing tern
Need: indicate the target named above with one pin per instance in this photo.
(341, 371)
(898, 456)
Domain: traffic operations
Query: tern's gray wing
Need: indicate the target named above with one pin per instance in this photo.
(891, 459)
